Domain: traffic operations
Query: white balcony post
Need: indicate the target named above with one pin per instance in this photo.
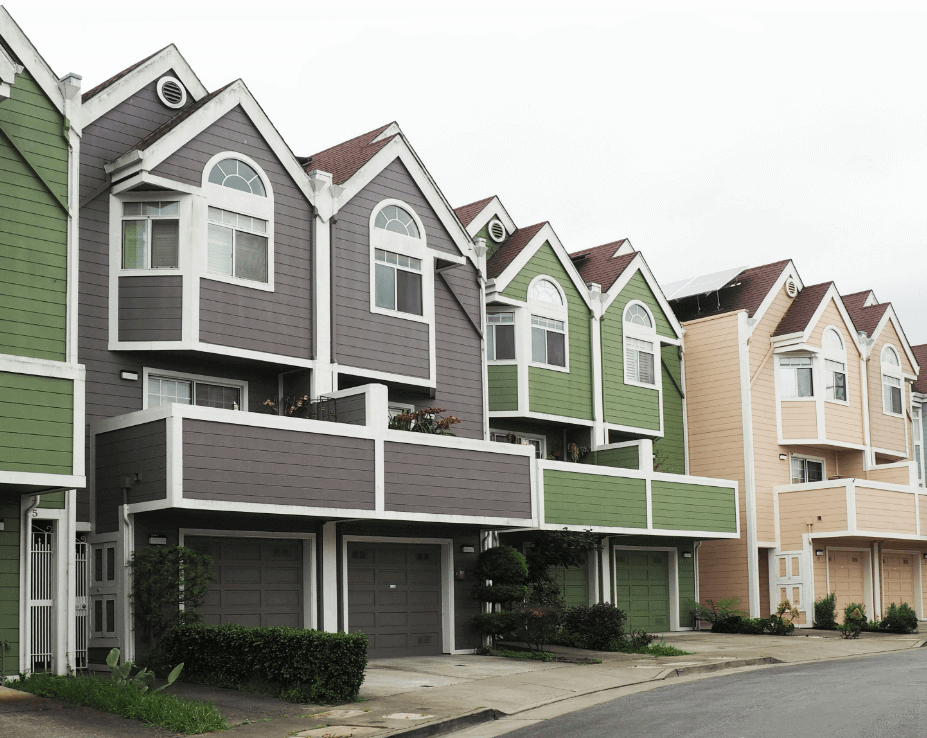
(329, 553)
(645, 455)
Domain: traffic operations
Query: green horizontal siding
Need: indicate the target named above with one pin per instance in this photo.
(670, 451)
(619, 458)
(682, 506)
(572, 498)
(559, 393)
(503, 387)
(36, 424)
(9, 582)
(33, 225)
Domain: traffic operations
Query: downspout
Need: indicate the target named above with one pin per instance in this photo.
(331, 291)
(696, 623)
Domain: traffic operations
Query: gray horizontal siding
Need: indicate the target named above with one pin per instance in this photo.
(236, 463)
(424, 479)
(352, 410)
(277, 322)
(151, 308)
(139, 449)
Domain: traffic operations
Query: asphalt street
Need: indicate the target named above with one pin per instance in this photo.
(867, 697)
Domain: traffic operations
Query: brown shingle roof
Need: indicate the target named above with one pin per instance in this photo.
(752, 286)
(802, 309)
(511, 248)
(864, 318)
(466, 213)
(601, 265)
(116, 77)
(346, 158)
(920, 353)
(170, 124)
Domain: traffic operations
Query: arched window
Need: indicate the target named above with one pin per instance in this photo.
(401, 281)
(640, 346)
(636, 315)
(394, 218)
(832, 340)
(239, 176)
(548, 323)
(892, 403)
(835, 365)
(546, 291)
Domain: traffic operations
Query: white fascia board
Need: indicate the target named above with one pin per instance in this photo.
(143, 177)
(531, 415)
(49, 481)
(31, 59)
(805, 336)
(41, 367)
(792, 343)
(8, 71)
(847, 320)
(122, 89)
(891, 316)
(494, 209)
(546, 234)
(399, 148)
(639, 263)
(788, 271)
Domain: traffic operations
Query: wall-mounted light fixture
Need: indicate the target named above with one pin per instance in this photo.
(157, 540)
(1, 527)
(468, 549)
(783, 457)
(687, 554)
(819, 552)
(130, 376)
(1, 524)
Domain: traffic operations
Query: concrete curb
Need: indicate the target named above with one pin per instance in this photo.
(447, 725)
(718, 666)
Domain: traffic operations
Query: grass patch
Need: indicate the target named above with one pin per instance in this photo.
(663, 649)
(163, 710)
(528, 655)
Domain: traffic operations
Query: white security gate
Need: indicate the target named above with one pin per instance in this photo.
(42, 597)
(81, 611)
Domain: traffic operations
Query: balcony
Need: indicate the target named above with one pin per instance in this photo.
(183, 456)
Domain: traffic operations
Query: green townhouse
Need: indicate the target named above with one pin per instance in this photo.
(584, 362)
(41, 385)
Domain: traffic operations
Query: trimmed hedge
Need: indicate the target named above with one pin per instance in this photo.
(292, 663)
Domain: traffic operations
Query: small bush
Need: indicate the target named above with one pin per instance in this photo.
(165, 710)
(825, 612)
(638, 640)
(899, 619)
(663, 649)
(537, 624)
(854, 610)
(292, 663)
(718, 612)
(597, 627)
(496, 625)
(529, 655)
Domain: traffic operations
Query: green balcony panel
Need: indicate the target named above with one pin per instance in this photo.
(572, 498)
(683, 506)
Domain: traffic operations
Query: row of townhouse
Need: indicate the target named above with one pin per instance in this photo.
(171, 271)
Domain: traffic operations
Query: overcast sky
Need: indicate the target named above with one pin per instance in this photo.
(710, 140)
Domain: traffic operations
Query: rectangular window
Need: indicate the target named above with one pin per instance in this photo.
(796, 378)
(836, 380)
(548, 341)
(398, 282)
(98, 564)
(110, 564)
(163, 390)
(237, 246)
(111, 616)
(150, 235)
(538, 443)
(98, 616)
(639, 361)
(805, 471)
(891, 395)
(500, 339)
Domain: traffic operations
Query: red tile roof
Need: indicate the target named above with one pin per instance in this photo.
(170, 124)
(510, 248)
(920, 353)
(864, 318)
(601, 265)
(116, 77)
(345, 159)
(750, 289)
(802, 309)
(466, 213)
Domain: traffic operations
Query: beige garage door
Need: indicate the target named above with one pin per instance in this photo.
(846, 570)
(897, 578)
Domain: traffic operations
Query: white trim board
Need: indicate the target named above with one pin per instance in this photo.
(493, 209)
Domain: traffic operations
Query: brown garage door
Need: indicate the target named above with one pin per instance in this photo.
(394, 596)
(257, 581)
(847, 578)
(897, 579)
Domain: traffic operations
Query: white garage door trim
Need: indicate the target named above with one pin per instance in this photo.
(867, 576)
(918, 578)
(447, 581)
(308, 539)
(673, 578)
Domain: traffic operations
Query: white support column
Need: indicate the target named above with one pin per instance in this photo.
(753, 557)
(592, 578)
(68, 542)
(876, 582)
(605, 557)
(329, 554)
(124, 578)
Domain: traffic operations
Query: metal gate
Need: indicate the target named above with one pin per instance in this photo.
(42, 597)
(81, 612)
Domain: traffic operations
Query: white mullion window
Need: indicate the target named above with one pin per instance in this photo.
(805, 470)
(918, 433)
(548, 341)
(549, 311)
(163, 390)
(640, 347)
(522, 439)
(639, 361)
(237, 245)
(398, 282)
(892, 396)
(150, 235)
(796, 377)
(835, 365)
(500, 336)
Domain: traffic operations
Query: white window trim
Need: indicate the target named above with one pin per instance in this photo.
(551, 312)
(807, 457)
(245, 203)
(832, 354)
(407, 246)
(529, 436)
(514, 324)
(242, 385)
(815, 379)
(895, 372)
(632, 330)
(117, 218)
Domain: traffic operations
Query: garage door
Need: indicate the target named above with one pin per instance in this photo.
(897, 579)
(642, 589)
(574, 584)
(394, 596)
(257, 581)
(846, 570)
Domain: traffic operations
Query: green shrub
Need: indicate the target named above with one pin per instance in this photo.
(596, 627)
(850, 611)
(825, 612)
(496, 625)
(529, 655)
(773, 625)
(663, 649)
(638, 641)
(899, 619)
(717, 612)
(508, 571)
(165, 710)
(295, 664)
(537, 624)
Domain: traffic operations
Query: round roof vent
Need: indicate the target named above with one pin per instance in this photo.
(171, 92)
(496, 230)
(791, 289)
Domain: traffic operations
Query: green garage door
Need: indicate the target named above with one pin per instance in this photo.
(574, 584)
(642, 589)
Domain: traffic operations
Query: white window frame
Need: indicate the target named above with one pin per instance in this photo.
(527, 436)
(184, 240)
(496, 311)
(406, 246)
(815, 368)
(241, 384)
(917, 437)
(551, 312)
(894, 372)
(148, 220)
(244, 203)
(805, 457)
(833, 354)
(642, 333)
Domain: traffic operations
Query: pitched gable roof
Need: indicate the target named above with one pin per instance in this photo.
(600, 264)
(751, 288)
(510, 249)
(864, 318)
(466, 213)
(116, 77)
(920, 353)
(172, 123)
(802, 309)
(344, 160)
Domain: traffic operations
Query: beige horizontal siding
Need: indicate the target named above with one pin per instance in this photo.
(799, 419)
(799, 508)
(884, 511)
